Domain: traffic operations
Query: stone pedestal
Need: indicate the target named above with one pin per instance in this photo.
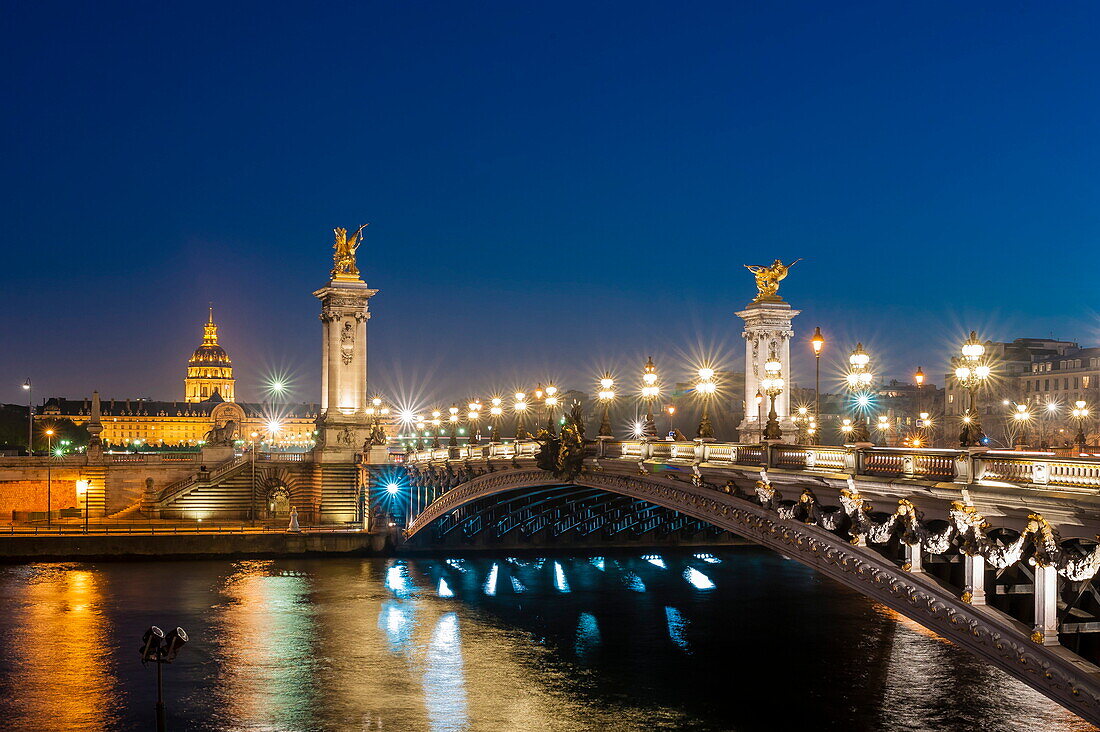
(213, 455)
(767, 331)
(344, 425)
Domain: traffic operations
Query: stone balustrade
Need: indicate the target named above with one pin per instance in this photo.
(991, 467)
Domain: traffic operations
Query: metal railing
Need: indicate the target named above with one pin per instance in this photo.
(1024, 469)
(164, 529)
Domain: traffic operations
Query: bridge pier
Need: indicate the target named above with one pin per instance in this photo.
(973, 579)
(1046, 606)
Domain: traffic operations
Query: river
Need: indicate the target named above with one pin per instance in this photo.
(740, 639)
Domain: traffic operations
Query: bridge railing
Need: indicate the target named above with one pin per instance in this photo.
(1024, 469)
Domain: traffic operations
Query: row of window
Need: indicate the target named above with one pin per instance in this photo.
(1073, 363)
(1079, 382)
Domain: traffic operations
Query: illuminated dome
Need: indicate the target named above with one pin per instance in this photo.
(209, 371)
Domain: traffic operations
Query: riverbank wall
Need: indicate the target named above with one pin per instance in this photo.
(19, 549)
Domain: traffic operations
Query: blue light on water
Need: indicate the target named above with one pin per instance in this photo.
(445, 679)
(559, 578)
(699, 580)
(456, 563)
(597, 562)
(588, 634)
(677, 627)
(445, 589)
(709, 558)
(397, 580)
(396, 621)
(633, 582)
(517, 586)
(538, 563)
(491, 581)
(655, 560)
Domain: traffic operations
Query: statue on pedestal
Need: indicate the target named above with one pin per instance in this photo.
(343, 254)
(767, 279)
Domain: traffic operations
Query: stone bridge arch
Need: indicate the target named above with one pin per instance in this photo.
(985, 631)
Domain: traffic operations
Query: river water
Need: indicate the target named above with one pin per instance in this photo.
(736, 640)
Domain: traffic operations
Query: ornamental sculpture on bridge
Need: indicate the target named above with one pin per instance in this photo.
(343, 254)
(767, 279)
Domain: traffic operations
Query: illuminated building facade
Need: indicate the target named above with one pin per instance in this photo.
(209, 372)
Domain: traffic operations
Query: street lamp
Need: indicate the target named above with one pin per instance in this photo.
(495, 412)
(49, 475)
(884, 429)
(540, 397)
(971, 371)
(650, 391)
(802, 422)
(452, 411)
(30, 416)
(436, 422)
(759, 399)
(818, 342)
(519, 406)
(1080, 413)
(161, 649)
(473, 415)
(705, 388)
(859, 379)
(1021, 416)
(606, 395)
(551, 402)
(772, 384)
(918, 379)
(671, 411)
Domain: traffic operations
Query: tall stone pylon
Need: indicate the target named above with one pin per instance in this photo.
(767, 333)
(344, 425)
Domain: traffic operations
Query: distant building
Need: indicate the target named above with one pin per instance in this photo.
(209, 400)
(1045, 377)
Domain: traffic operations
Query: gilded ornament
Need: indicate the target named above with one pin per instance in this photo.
(768, 278)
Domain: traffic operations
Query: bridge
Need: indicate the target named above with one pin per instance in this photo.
(994, 550)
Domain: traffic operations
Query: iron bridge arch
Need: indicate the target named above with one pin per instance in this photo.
(985, 631)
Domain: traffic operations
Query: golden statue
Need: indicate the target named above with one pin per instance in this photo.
(767, 279)
(343, 255)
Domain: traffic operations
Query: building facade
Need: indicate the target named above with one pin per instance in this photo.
(209, 401)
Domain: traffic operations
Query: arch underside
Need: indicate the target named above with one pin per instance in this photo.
(985, 631)
(566, 510)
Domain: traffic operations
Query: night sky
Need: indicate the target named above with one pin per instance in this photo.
(551, 190)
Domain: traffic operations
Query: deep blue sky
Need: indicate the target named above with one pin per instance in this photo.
(550, 189)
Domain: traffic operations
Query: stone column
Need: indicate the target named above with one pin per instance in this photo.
(344, 425)
(974, 579)
(1046, 606)
(767, 330)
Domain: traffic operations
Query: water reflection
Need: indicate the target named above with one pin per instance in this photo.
(58, 665)
(559, 642)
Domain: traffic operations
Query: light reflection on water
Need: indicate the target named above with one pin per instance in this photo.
(564, 643)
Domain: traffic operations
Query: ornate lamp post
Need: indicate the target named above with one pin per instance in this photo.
(705, 388)
(519, 406)
(437, 421)
(473, 416)
(540, 400)
(452, 411)
(970, 373)
(1021, 416)
(818, 342)
(859, 380)
(924, 430)
(551, 404)
(650, 391)
(1080, 413)
(773, 387)
(671, 411)
(884, 429)
(606, 395)
(496, 410)
(802, 422)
